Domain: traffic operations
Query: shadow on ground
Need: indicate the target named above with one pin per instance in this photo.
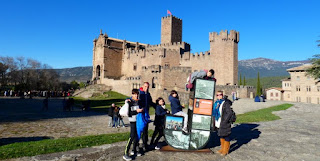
(241, 134)
(5, 141)
(17, 110)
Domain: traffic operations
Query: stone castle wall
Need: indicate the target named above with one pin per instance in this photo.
(166, 66)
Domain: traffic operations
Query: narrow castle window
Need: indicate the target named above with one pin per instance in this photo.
(135, 67)
(153, 83)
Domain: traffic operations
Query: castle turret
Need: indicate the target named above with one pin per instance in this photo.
(171, 29)
(224, 48)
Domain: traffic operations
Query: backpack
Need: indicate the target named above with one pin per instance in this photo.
(233, 117)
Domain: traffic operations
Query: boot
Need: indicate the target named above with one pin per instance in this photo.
(226, 148)
(222, 144)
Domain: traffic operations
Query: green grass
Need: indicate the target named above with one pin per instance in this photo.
(33, 148)
(101, 103)
(262, 114)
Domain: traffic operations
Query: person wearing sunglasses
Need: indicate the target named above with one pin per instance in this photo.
(222, 114)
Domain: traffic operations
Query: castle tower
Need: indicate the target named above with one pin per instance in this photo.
(171, 29)
(224, 49)
(107, 57)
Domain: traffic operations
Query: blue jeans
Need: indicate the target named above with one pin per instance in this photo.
(115, 121)
(120, 120)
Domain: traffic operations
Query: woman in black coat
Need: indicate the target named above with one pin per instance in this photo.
(222, 114)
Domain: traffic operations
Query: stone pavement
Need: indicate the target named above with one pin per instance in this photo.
(294, 137)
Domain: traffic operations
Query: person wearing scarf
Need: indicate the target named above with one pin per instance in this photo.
(144, 118)
(222, 114)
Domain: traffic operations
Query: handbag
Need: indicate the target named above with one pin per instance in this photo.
(124, 110)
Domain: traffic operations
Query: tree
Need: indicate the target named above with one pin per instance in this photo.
(240, 81)
(259, 89)
(314, 70)
(3, 70)
(74, 84)
(28, 74)
(244, 80)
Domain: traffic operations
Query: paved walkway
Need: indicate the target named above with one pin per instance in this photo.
(294, 137)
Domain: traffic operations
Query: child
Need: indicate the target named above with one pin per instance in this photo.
(201, 74)
(115, 117)
(161, 111)
(176, 108)
(133, 110)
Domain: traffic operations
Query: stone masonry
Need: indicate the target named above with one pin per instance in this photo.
(124, 65)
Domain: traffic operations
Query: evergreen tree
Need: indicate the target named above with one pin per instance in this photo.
(259, 91)
(314, 70)
(240, 83)
(244, 80)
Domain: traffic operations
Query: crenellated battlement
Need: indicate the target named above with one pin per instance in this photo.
(171, 16)
(131, 51)
(166, 45)
(224, 35)
(200, 54)
(166, 63)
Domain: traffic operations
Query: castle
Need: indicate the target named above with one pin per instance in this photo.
(124, 65)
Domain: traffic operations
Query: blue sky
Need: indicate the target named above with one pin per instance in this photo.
(60, 32)
(174, 118)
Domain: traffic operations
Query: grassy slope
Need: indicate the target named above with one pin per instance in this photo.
(262, 114)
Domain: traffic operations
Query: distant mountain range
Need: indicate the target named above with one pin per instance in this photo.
(80, 74)
(266, 67)
(248, 68)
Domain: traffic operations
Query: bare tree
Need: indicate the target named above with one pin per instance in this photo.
(28, 74)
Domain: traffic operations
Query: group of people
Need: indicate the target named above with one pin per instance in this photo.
(114, 117)
(33, 93)
(138, 116)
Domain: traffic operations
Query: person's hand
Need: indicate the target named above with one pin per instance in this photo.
(139, 110)
(127, 100)
(168, 111)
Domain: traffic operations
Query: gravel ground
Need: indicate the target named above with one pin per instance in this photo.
(294, 137)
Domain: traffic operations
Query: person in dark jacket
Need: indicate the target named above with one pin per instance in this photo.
(110, 114)
(176, 108)
(222, 114)
(145, 100)
(161, 111)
